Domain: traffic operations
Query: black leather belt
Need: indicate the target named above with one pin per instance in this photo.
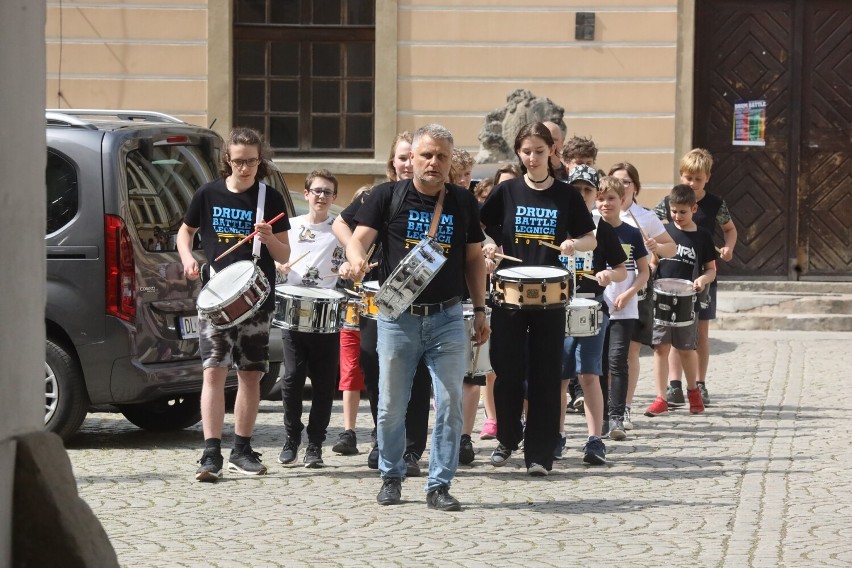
(430, 309)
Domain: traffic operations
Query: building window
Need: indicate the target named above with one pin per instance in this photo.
(304, 73)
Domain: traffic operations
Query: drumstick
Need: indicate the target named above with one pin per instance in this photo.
(638, 226)
(507, 257)
(589, 276)
(292, 262)
(352, 292)
(245, 239)
(475, 357)
(549, 245)
(718, 250)
(373, 265)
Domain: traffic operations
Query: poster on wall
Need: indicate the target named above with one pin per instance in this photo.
(750, 123)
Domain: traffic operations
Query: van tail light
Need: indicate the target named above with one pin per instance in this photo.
(120, 270)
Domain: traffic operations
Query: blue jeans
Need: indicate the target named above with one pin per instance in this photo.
(439, 340)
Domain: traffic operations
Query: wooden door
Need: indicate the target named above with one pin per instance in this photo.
(825, 178)
(791, 199)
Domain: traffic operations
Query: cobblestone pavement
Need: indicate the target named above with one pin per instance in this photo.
(761, 479)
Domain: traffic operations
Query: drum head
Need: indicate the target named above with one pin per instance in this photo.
(537, 273)
(584, 303)
(308, 292)
(370, 285)
(226, 283)
(674, 286)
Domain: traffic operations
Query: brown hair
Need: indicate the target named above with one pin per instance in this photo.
(577, 147)
(610, 183)
(508, 169)
(537, 129)
(461, 161)
(682, 195)
(631, 171)
(325, 174)
(483, 185)
(242, 136)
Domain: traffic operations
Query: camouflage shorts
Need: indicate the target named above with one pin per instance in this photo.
(244, 346)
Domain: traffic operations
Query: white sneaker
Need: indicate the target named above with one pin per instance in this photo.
(536, 470)
(628, 425)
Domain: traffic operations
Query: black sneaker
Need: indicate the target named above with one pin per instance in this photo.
(579, 400)
(313, 456)
(347, 444)
(594, 451)
(246, 462)
(466, 453)
(560, 448)
(616, 429)
(705, 396)
(210, 470)
(391, 491)
(411, 464)
(441, 499)
(373, 458)
(288, 454)
(674, 396)
(500, 455)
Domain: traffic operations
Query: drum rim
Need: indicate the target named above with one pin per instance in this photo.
(334, 295)
(565, 274)
(679, 293)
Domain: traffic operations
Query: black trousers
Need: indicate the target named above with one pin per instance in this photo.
(417, 414)
(527, 344)
(317, 354)
(620, 332)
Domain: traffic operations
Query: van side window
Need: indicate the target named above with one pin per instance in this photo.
(159, 190)
(63, 196)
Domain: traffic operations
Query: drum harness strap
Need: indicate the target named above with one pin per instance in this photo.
(255, 245)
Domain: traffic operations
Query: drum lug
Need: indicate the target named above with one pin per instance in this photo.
(521, 287)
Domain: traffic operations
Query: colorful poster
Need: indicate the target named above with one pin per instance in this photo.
(750, 123)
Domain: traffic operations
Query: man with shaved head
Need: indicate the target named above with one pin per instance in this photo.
(559, 170)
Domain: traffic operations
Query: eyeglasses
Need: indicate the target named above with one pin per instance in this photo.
(250, 163)
(626, 182)
(322, 192)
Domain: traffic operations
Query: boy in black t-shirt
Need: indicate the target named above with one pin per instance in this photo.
(223, 212)
(694, 255)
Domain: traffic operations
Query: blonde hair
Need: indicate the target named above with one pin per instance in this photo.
(361, 191)
(404, 136)
(611, 183)
(696, 161)
(461, 161)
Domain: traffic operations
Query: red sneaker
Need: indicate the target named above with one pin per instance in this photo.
(696, 404)
(489, 430)
(659, 406)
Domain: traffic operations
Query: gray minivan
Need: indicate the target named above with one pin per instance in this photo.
(121, 320)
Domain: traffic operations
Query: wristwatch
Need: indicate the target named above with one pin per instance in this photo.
(479, 309)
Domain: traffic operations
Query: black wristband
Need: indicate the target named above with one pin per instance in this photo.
(479, 309)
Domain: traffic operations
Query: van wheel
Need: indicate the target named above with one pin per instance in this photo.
(166, 414)
(66, 400)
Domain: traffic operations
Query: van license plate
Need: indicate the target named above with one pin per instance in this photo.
(188, 327)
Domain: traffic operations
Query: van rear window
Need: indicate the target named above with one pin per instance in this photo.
(160, 189)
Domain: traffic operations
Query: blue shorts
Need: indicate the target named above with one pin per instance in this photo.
(709, 313)
(584, 354)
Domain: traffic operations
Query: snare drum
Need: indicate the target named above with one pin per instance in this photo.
(351, 316)
(583, 318)
(532, 287)
(308, 309)
(674, 302)
(368, 306)
(410, 278)
(233, 295)
(483, 360)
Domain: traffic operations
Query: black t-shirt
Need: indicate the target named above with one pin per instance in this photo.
(706, 215)
(459, 226)
(223, 218)
(607, 253)
(528, 216)
(694, 250)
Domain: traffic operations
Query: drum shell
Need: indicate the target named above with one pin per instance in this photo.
(583, 318)
(674, 302)
(233, 295)
(351, 315)
(410, 278)
(483, 361)
(368, 307)
(520, 288)
(309, 314)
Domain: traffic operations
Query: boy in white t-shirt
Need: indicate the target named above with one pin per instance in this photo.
(316, 258)
(621, 299)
